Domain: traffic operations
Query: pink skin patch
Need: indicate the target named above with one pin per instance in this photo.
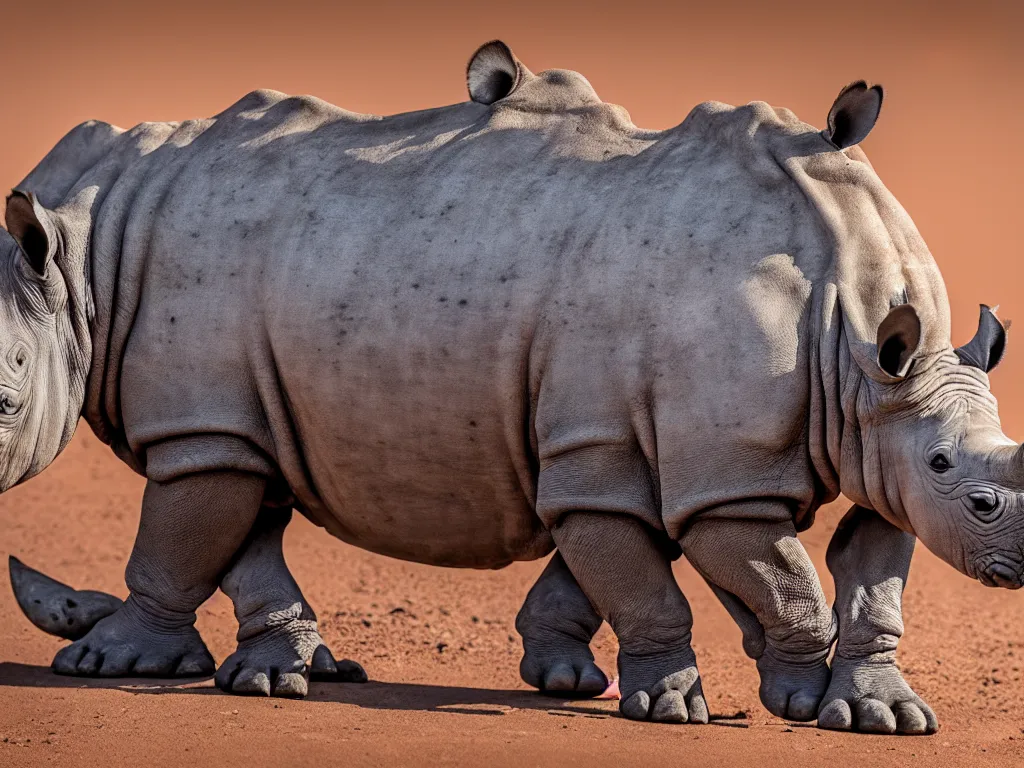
(612, 691)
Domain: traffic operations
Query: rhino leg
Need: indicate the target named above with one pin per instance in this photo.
(869, 560)
(761, 572)
(557, 623)
(279, 646)
(628, 578)
(190, 529)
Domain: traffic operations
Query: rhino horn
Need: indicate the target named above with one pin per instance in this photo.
(56, 608)
(986, 349)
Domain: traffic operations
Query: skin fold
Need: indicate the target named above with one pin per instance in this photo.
(471, 335)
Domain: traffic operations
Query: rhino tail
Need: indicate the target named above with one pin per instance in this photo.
(56, 608)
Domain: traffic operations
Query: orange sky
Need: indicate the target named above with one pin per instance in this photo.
(946, 144)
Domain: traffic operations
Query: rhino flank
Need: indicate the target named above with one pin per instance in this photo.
(469, 335)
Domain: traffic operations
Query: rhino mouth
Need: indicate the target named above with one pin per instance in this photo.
(998, 574)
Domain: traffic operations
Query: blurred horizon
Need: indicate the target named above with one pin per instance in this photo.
(953, 74)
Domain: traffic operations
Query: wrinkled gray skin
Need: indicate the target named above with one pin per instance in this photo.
(466, 335)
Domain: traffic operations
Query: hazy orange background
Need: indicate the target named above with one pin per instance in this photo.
(948, 142)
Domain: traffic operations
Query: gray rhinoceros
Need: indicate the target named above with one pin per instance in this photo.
(469, 335)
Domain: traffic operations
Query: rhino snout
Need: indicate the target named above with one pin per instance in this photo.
(1000, 573)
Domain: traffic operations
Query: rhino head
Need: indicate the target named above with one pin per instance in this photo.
(935, 456)
(44, 347)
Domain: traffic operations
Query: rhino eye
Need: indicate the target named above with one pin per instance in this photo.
(939, 463)
(7, 406)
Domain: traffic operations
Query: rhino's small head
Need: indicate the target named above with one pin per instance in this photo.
(936, 455)
(40, 393)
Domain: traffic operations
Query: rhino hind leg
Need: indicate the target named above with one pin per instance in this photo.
(279, 646)
(628, 578)
(557, 623)
(190, 530)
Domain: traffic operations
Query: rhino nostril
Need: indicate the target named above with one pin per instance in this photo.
(982, 502)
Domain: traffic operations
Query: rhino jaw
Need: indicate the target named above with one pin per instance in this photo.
(56, 608)
(998, 574)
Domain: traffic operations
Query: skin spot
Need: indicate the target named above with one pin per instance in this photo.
(442, 299)
(462, 302)
(172, 319)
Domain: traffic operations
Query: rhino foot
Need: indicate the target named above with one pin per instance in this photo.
(562, 667)
(673, 698)
(557, 623)
(281, 660)
(790, 689)
(871, 696)
(132, 642)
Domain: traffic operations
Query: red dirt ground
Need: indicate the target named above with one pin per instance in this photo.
(442, 652)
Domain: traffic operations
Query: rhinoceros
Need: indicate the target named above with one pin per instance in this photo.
(473, 335)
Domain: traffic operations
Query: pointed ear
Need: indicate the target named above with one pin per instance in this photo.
(34, 229)
(853, 114)
(898, 338)
(986, 349)
(493, 73)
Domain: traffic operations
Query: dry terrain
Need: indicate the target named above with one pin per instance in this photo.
(442, 652)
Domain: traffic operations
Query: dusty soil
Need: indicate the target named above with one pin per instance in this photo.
(442, 653)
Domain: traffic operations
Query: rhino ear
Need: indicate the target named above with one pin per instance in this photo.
(853, 114)
(898, 338)
(493, 73)
(986, 349)
(34, 229)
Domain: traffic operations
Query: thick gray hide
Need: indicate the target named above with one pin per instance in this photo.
(442, 330)
(54, 607)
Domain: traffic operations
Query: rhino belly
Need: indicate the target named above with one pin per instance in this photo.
(407, 390)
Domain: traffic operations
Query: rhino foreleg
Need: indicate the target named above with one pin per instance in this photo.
(189, 531)
(628, 578)
(869, 560)
(557, 623)
(762, 573)
(279, 646)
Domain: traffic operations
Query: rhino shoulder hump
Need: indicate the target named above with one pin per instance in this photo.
(80, 149)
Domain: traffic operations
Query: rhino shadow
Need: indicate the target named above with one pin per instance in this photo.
(372, 695)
